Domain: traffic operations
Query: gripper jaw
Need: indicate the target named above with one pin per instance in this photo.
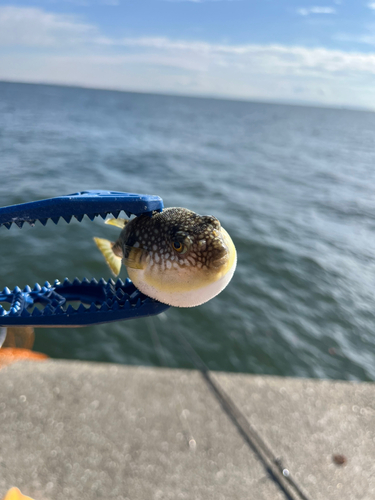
(90, 203)
(77, 303)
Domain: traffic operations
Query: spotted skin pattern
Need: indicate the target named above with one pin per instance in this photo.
(177, 256)
(200, 235)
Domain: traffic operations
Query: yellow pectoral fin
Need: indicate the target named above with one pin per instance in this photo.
(15, 494)
(135, 258)
(121, 223)
(113, 260)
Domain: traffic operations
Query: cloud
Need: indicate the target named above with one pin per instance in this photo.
(316, 10)
(33, 27)
(367, 37)
(54, 48)
(251, 57)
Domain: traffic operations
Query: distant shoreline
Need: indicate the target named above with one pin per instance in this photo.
(295, 103)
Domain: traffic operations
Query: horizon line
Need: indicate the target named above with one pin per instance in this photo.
(276, 102)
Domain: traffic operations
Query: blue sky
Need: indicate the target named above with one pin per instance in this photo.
(320, 52)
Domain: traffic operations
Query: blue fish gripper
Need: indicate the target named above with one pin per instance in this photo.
(77, 303)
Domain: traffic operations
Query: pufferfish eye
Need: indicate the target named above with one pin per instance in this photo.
(179, 247)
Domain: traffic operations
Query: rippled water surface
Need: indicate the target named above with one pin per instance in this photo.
(294, 186)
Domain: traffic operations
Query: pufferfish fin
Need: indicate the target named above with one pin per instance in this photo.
(133, 257)
(15, 494)
(121, 223)
(110, 253)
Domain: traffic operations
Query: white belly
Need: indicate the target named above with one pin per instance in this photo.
(182, 298)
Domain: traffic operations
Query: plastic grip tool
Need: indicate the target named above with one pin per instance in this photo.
(77, 303)
(90, 203)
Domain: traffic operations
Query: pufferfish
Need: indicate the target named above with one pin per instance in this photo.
(175, 256)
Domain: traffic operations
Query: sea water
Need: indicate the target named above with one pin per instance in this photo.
(294, 186)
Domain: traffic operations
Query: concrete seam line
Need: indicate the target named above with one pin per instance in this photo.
(272, 464)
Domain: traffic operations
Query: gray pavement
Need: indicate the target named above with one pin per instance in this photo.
(73, 430)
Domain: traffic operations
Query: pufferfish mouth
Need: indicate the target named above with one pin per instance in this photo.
(217, 263)
(221, 254)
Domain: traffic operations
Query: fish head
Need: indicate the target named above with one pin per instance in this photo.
(199, 239)
(179, 257)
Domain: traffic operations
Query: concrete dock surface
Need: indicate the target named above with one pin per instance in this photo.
(72, 430)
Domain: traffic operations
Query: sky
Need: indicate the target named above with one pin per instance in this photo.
(318, 52)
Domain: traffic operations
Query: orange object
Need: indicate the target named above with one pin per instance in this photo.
(10, 355)
(15, 494)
